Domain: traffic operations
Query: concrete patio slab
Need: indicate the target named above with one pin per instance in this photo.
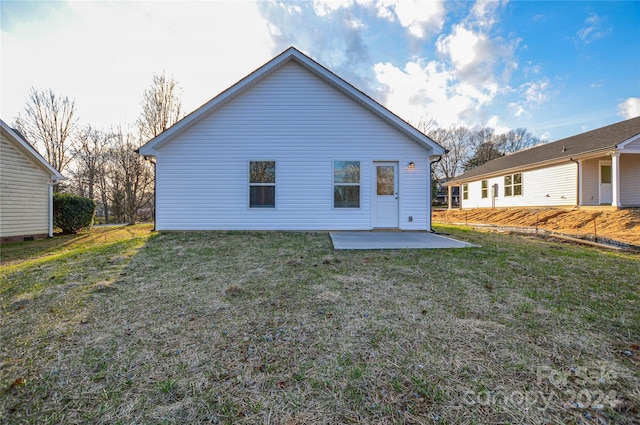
(393, 240)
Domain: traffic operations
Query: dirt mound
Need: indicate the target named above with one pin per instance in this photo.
(620, 225)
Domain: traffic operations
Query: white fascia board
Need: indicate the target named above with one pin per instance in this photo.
(56, 176)
(622, 146)
(150, 148)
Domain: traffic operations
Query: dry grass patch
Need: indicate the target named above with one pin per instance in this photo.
(278, 328)
(620, 225)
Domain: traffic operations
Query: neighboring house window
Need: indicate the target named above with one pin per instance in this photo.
(465, 191)
(485, 188)
(346, 184)
(513, 185)
(262, 184)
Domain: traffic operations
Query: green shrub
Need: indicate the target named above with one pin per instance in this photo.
(71, 212)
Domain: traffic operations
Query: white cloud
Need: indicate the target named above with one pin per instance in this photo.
(430, 89)
(484, 12)
(458, 89)
(421, 18)
(494, 122)
(536, 92)
(533, 93)
(476, 57)
(516, 109)
(630, 108)
(460, 46)
(592, 30)
(385, 9)
(326, 7)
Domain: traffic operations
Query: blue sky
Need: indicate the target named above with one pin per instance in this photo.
(556, 68)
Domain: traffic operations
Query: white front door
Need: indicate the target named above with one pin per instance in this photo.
(385, 199)
(606, 191)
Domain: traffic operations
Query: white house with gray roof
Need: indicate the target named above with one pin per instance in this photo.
(597, 168)
(292, 146)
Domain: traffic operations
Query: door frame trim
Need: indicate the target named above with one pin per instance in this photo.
(374, 189)
(600, 164)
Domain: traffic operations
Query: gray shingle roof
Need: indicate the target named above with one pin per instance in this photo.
(599, 140)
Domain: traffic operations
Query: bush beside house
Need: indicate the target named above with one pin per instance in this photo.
(72, 213)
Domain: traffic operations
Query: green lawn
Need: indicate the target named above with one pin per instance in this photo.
(124, 325)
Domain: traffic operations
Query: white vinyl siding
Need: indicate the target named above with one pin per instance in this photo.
(24, 193)
(304, 124)
(630, 180)
(550, 186)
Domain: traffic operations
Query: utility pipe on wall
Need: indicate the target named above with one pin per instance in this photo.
(429, 186)
(577, 181)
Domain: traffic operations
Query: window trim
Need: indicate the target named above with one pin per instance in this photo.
(334, 184)
(510, 188)
(484, 189)
(250, 184)
(465, 191)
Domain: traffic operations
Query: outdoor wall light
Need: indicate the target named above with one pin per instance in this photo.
(412, 165)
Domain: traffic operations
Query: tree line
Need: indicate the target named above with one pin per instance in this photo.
(102, 164)
(469, 148)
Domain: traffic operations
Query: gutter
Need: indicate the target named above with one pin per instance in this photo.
(155, 179)
(429, 186)
(53, 181)
(577, 181)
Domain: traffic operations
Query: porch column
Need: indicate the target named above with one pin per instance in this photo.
(449, 195)
(579, 200)
(615, 179)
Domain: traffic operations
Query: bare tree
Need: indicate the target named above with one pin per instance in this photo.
(132, 175)
(91, 161)
(48, 122)
(458, 143)
(516, 140)
(427, 125)
(161, 107)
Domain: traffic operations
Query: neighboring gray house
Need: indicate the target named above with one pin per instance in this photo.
(292, 147)
(599, 167)
(26, 189)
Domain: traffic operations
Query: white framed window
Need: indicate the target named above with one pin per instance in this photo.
(513, 185)
(465, 191)
(485, 189)
(346, 184)
(262, 184)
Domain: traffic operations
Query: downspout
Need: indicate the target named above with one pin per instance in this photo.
(577, 182)
(429, 186)
(155, 183)
(155, 198)
(52, 183)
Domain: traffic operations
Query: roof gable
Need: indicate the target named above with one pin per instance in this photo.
(291, 54)
(600, 140)
(30, 151)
